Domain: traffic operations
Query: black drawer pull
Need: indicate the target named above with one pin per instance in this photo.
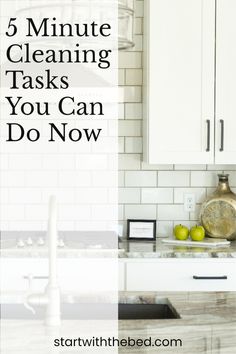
(217, 277)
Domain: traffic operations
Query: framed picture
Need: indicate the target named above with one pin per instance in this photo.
(141, 229)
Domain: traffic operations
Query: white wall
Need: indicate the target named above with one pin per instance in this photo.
(154, 191)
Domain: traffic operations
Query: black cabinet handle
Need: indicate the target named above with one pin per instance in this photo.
(208, 122)
(222, 134)
(217, 277)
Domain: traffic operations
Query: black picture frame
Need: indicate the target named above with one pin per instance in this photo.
(139, 237)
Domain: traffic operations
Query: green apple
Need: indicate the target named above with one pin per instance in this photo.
(197, 233)
(181, 232)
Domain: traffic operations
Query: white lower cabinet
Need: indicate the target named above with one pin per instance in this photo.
(179, 275)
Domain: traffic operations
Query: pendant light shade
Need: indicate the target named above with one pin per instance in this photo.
(125, 24)
(80, 11)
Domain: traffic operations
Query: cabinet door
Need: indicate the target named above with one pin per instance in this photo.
(179, 81)
(226, 82)
(223, 337)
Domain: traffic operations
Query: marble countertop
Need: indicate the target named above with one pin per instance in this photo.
(157, 249)
(127, 249)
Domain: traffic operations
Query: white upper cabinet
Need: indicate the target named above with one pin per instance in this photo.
(225, 150)
(181, 125)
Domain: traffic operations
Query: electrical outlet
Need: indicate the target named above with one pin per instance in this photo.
(189, 202)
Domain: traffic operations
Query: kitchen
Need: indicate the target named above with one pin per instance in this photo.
(156, 173)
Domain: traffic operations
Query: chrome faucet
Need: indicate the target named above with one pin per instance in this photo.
(51, 297)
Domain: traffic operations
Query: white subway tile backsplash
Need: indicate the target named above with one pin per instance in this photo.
(129, 128)
(121, 178)
(121, 110)
(74, 212)
(157, 195)
(138, 25)
(4, 162)
(129, 162)
(138, 43)
(103, 212)
(25, 162)
(65, 195)
(36, 212)
(171, 212)
(133, 111)
(91, 162)
(129, 195)
(140, 179)
(72, 178)
(134, 76)
(136, 211)
(133, 145)
(121, 212)
(10, 179)
(104, 178)
(200, 194)
(203, 179)
(41, 178)
(139, 9)
(4, 195)
(12, 212)
(91, 195)
(121, 145)
(232, 178)
(53, 162)
(25, 225)
(121, 77)
(130, 94)
(130, 59)
(173, 178)
(24, 196)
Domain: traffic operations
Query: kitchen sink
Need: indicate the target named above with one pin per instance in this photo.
(147, 311)
(96, 311)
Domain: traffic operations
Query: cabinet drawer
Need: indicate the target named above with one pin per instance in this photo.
(201, 275)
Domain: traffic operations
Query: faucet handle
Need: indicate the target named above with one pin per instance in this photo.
(29, 241)
(20, 243)
(60, 242)
(40, 241)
